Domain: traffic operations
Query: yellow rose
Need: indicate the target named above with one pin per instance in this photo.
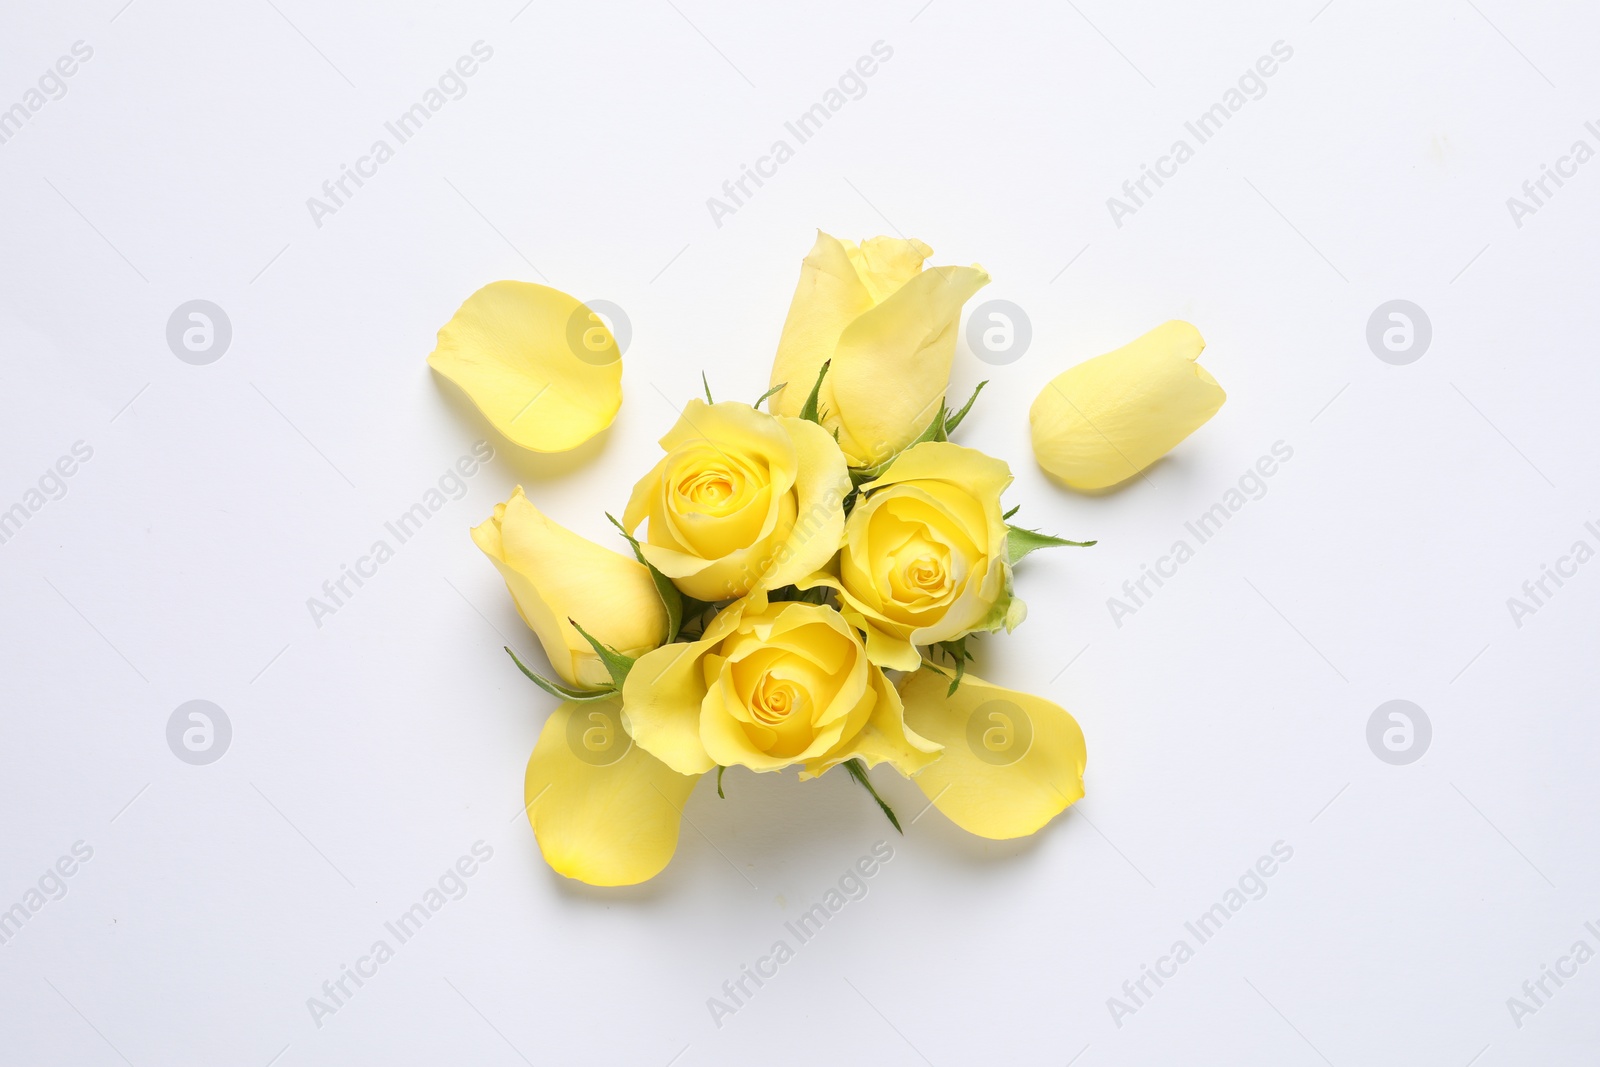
(889, 328)
(769, 685)
(542, 367)
(1012, 761)
(743, 500)
(1108, 418)
(924, 556)
(555, 575)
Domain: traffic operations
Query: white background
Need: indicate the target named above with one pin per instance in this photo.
(1227, 714)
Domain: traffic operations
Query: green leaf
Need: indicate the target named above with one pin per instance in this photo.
(556, 689)
(768, 393)
(1020, 542)
(858, 771)
(617, 665)
(809, 411)
(670, 597)
(707, 386)
(951, 422)
(720, 793)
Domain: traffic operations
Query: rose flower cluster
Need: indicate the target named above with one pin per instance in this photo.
(802, 582)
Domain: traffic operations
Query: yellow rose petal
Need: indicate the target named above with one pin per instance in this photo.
(1012, 761)
(541, 367)
(604, 810)
(1106, 419)
(828, 298)
(662, 696)
(892, 364)
(884, 264)
(884, 739)
(821, 485)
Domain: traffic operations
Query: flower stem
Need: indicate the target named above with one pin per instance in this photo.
(858, 771)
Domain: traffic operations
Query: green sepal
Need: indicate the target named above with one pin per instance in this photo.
(707, 387)
(956, 650)
(556, 689)
(1019, 542)
(695, 611)
(617, 665)
(670, 597)
(720, 793)
(858, 771)
(817, 594)
(952, 421)
(810, 412)
(768, 393)
(1012, 512)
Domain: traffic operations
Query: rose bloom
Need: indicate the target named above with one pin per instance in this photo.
(555, 575)
(769, 685)
(924, 557)
(742, 500)
(886, 327)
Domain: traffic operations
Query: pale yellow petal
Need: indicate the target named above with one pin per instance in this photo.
(543, 369)
(1012, 761)
(885, 738)
(1106, 419)
(829, 296)
(982, 475)
(820, 487)
(662, 695)
(884, 264)
(892, 364)
(888, 643)
(604, 810)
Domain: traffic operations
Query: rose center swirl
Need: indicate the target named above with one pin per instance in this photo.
(710, 489)
(776, 700)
